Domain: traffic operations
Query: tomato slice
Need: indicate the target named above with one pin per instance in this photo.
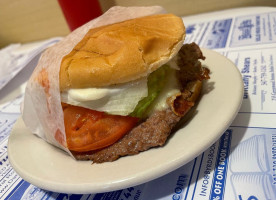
(88, 130)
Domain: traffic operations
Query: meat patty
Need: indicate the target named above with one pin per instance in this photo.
(141, 138)
(155, 130)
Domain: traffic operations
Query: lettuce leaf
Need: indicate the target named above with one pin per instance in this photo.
(118, 99)
(156, 82)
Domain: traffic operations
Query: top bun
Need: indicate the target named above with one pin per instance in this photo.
(122, 52)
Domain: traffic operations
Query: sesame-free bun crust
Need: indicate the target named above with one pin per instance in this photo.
(122, 52)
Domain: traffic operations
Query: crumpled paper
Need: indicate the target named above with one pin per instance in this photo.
(16, 56)
(42, 111)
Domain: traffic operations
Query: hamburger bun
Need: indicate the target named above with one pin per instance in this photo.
(122, 52)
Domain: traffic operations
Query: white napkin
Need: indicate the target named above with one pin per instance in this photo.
(16, 56)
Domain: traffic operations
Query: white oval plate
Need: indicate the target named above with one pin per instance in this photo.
(49, 168)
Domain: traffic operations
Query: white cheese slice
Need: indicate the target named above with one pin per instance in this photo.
(171, 87)
(88, 94)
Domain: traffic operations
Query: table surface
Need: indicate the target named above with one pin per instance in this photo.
(247, 37)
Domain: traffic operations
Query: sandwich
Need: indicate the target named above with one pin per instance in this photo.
(122, 88)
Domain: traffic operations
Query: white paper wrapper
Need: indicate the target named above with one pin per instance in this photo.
(42, 111)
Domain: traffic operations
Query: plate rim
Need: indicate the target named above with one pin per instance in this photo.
(131, 181)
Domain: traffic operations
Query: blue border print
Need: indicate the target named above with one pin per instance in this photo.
(220, 172)
(18, 190)
(108, 195)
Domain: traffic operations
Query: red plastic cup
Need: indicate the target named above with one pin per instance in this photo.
(78, 12)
